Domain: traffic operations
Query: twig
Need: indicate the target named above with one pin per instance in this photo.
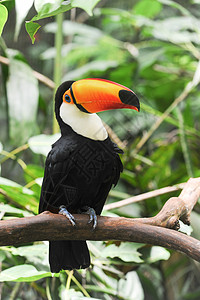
(189, 87)
(48, 82)
(144, 196)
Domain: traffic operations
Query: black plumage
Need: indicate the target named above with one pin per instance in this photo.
(79, 172)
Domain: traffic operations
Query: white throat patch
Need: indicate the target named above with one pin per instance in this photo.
(87, 125)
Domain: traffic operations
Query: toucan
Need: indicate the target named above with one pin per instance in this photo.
(83, 163)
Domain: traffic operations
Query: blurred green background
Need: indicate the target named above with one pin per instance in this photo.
(150, 46)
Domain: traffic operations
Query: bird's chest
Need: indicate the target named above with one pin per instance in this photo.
(91, 163)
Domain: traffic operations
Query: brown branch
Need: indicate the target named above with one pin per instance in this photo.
(48, 226)
(177, 208)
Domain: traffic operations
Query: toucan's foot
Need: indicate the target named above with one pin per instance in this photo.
(63, 211)
(91, 212)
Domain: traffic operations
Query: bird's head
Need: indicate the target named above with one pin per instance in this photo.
(89, 96)
(95, 95)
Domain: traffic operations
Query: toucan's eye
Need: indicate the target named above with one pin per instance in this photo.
(67, 98)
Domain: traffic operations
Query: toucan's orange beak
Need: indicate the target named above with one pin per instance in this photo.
(95, 95)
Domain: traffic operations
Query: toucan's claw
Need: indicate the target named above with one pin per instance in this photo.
(92, 214)
(63, 211)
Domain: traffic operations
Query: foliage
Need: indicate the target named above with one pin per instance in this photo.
(151, 46)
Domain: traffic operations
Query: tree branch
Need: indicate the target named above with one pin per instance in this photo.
(48, 226)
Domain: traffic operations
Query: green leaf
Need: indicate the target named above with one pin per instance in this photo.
(147, 8)
(39, 250)
(23, 273)
(13, 210)
(22, 94)
(72, 28)
(158, 253)
(98, 65)
(22, 8)
(21, 197)
(32, 28)
(86, 5)
(3, 18)
(5, 181)
(46, 10)
(1, 147)
(126, 252)
(41, 144)
(32, 172)
(130, 287)
(52, 4)
(2, 255)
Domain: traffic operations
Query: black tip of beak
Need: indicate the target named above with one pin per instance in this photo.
(128, 97)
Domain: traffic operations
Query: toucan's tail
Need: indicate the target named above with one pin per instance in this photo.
(68, 255)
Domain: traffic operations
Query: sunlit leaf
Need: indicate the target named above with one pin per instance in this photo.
(23, 273)
(51, 8)
(72, 294)
(184, 29)
(3, 18)
(41, 144)
(126, 252)
(158, 253)
(130, 287)
(53, 4)
(70, 28)
(20, 197)
(95, 65)
(22, 93)
(86, 5)
(32, 250)
(22, 7)
(2, 255)
(5, 181)
(13, 210)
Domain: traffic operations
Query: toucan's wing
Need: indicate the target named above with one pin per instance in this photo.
(57, 170)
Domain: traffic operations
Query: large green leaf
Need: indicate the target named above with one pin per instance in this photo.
(30, 251)
(22, 7)
(22, 93)
(23, 273)
(3, 18)
(126, 252)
